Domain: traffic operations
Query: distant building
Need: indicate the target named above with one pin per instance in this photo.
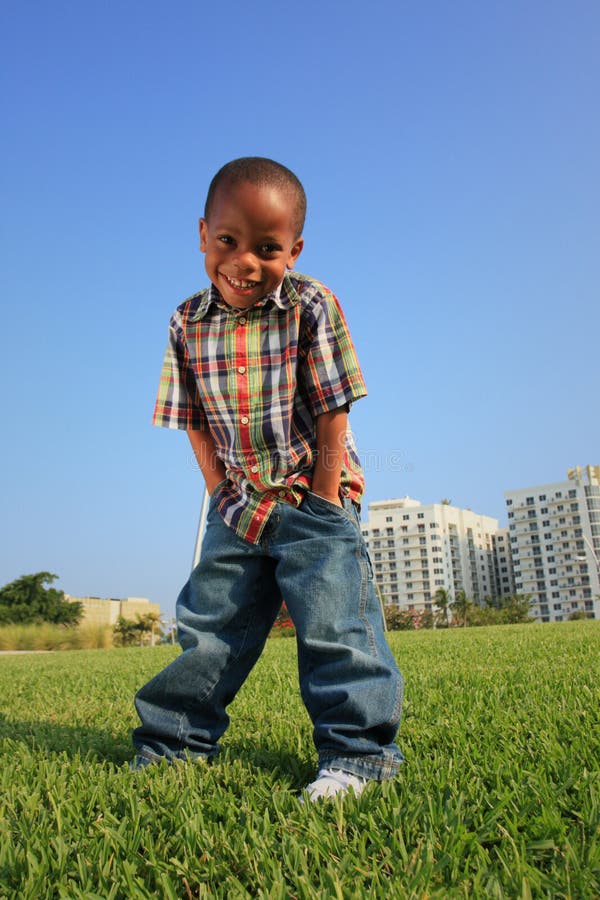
(555, 544)
(98, 611)
(417, 549)
(505, 578)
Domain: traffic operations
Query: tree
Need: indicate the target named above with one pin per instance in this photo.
(148, 624)
(461, 607)
(126, 632)
(442, 600)
(27, 600)
(515, 609)
(139, 631)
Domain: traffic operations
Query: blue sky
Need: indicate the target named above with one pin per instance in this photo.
(450, 156)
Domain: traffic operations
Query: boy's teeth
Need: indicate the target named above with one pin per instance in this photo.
(242, 284)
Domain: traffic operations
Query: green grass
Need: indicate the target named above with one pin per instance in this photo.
(499, 795)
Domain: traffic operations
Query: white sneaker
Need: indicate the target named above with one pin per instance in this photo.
(331, 782)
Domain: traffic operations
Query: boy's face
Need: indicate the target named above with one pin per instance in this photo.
(248, 241)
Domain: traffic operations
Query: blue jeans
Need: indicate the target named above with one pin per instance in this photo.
(315, 557)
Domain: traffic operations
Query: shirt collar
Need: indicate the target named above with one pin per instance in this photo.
(285, 296)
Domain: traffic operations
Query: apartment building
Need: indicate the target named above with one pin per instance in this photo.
(416, 549)
(100, 611)
(555, 544)
(505, 578)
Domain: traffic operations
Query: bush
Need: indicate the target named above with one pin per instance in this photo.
(283, 625)
(55, 637)
(400, 619)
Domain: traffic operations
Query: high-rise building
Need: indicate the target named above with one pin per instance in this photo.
(417, 549)
(505, 579)
(555, 544)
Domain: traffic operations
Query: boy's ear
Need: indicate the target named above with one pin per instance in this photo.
(295, 253)
(203, 229)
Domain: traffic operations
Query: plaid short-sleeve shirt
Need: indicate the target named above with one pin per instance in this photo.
(257, 379)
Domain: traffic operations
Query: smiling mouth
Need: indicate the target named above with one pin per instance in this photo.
(241, 285)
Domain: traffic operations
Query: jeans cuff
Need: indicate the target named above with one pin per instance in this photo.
(374, 768)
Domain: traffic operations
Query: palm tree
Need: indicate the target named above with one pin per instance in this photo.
(461, 606)
(442, 600)
(147, 625)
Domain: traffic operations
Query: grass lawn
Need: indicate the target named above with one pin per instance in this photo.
(499, 795)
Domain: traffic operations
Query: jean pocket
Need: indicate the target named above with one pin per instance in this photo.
(321, 505)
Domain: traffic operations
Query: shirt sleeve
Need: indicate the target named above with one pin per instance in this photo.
(331, 374)
(178, 403)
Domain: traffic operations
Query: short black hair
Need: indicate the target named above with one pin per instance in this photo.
(261, 172)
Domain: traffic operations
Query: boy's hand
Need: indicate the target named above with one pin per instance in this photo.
(331, 444)
(331, 498)
(211, 466)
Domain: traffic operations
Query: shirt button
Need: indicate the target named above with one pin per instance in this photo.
(245, 420)
(282, 493)
(242, 320)
(241, 369)
(254, 469)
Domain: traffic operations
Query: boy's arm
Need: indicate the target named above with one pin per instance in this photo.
(211, 466)
(331, 445)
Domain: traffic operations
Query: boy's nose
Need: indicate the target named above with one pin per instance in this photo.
(245, 260)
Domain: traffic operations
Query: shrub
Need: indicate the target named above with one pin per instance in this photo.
(55, 637)
(283, 625)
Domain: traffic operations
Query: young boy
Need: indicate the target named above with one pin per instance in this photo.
(261, 371)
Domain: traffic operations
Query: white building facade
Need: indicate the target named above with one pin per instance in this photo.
(417, 549)
(505, 579)
(555, 545)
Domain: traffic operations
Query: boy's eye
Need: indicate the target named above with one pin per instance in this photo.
(269, 248)
(225, 239)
